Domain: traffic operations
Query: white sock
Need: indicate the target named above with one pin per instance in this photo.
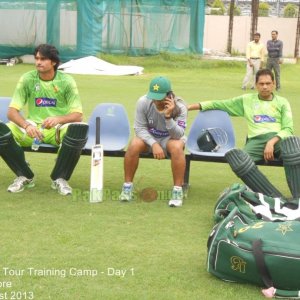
(177, 188)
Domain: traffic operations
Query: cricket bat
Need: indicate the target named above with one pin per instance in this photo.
(96, 180)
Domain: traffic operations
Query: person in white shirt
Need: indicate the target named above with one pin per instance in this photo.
(255, 55)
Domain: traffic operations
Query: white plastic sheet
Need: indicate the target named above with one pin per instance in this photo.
(94, 66)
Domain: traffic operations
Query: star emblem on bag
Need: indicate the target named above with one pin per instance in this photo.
(284, 228)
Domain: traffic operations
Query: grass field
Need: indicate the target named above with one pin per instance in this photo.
(66, 248)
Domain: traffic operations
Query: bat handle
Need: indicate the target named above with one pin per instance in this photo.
(97, 130)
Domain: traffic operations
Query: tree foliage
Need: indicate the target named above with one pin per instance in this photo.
(290, 11)
(217, 8)
(263, 10)
(236, 10)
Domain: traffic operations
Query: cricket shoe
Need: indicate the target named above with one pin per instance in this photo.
(62, 186)
(177, 197)
(19, 184)
(127, 192)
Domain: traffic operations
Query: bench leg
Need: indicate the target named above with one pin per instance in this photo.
(186, 184)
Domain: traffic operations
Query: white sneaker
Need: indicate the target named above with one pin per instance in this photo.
(177, 197)
(62, 186)
(127, 192)
(19, 184)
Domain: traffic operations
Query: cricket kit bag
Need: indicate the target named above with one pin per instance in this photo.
(256, 240)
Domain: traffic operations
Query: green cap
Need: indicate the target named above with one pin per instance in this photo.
(159, 87)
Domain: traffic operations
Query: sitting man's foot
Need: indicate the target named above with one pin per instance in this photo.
(127, 192)
(177, 197)
(19, 184)
(62, 186)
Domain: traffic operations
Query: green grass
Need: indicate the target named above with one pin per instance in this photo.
(163, 250)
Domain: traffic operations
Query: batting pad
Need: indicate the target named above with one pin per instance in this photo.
(290, 151)
(69, 153)
(244, 167)
(12, 153)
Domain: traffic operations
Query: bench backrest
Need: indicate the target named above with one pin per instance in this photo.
(222, 129)
(4, 103)
(114, 127)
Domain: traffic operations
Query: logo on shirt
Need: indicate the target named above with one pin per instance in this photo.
(263, 118)
(181, 123)
(158, 133)
(45, 102)
(37, 87)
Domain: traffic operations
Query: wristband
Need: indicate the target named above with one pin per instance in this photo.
(200, 108)
(168, 118)
(27, 124)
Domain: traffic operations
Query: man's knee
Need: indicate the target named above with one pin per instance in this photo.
(136, 146)
(175, 147)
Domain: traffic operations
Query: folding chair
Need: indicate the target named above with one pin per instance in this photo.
(221, 128)
(114, 127)
(4, 103)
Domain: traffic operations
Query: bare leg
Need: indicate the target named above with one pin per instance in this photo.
(175, 148)
(131, 160)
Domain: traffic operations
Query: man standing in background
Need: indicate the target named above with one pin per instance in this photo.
(255, 55)
(274, 48)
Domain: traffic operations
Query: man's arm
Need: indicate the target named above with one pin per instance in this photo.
(51, 122)
(269, 148)
(194, 106)
(280, 52)
(141, 124)
(176, 126)
(14, 116)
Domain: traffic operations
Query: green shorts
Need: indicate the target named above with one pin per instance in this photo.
(50, 135)
(255, 146)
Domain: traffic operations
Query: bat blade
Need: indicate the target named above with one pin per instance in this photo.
(96, 185)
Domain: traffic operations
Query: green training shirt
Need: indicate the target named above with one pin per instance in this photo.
(262, 116)
(44, 99)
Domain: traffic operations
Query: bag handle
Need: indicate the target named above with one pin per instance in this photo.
(260, 263)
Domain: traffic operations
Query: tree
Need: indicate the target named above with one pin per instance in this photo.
(290, 11)
(230, 28)
(263, 9)
(236, 10)
(218, 8)
(254, 17)
(296, 54)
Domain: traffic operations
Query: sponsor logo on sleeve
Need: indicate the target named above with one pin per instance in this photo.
(181, 123)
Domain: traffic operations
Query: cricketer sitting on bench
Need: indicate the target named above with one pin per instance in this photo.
(53, 101)
(270, 135)
(159, 126)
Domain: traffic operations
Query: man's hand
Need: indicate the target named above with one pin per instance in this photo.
(34, 132)
(158, 151)
(51, 122)
(269, 152)
(169, 106)
(269, 149)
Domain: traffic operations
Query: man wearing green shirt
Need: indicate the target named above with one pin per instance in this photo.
(52, 101)
(270, 122)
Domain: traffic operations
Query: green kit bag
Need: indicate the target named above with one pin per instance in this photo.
(256, 240)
